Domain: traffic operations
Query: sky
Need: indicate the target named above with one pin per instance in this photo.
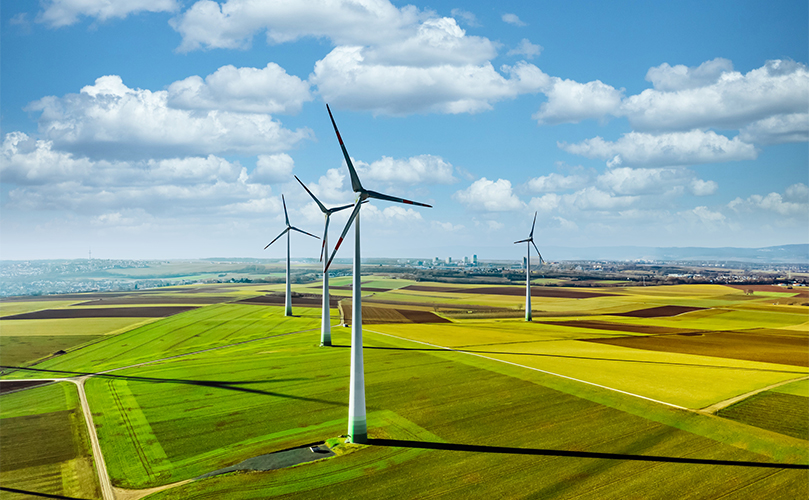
(169, 129)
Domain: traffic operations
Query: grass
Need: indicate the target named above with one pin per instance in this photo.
(69, 326)
(475, 448)
(20, 307)
(203, 328)
(19, 351)
(450, 423)
(786, 414)
(799, 388)
(44, 447)
(657, 375)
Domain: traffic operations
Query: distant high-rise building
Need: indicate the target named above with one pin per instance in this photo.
(474, 260)
(466, 261)
(524, 262)
(449, 260)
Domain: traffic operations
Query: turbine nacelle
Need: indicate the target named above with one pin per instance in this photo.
(530, 240)
(363, 195)
(289, 226)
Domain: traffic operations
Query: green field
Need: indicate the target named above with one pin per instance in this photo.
(492, 408)
(44, 447)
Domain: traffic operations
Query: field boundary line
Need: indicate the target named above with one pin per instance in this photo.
(724, 404)
(537, 370)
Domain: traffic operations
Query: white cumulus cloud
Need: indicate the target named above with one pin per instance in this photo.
(512, 19)
(680, 77)
(56, 13)
(677, 148)
(232, 24)
(249, 90)
(556, 182)
(491, 196)
(271, 169)
(572, 102)
(112, 120)
(794, 202)
(778, 129)
(422, 169)
(733, 101)
(525, 48)
(344, 77)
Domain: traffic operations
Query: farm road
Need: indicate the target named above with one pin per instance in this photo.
(101, 466)
(107, 490)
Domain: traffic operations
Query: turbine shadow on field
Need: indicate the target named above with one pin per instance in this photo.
(214, 384)
(427, 445)
(470, 351)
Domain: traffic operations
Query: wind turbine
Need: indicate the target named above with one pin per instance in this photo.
(529, 241)
(325, 326)
(357, 425)
(288, 300)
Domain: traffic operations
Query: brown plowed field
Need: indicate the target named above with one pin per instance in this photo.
(383, 315)
(767, 348)
(102, 312)
(303, 300)
(658, 312)
(14, 385)
(536, 291)
(134, 300)
(619, 327)
(364, 289)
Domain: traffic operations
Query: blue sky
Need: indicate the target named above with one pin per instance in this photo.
(170, 129)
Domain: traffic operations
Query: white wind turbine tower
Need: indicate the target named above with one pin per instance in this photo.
(325, 326)
(288, 300)
(357, 425)
(529, 241)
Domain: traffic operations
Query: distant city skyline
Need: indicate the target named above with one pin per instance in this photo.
(166, 130)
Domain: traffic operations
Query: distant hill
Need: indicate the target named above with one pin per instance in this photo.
(782, 254)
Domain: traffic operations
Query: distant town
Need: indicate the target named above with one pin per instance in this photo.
(51, 277)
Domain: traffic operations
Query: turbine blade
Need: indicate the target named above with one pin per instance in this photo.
(304, 232)
(537, 249)
(325, 233)
(355, 180)
(273, 241)
(285, 209)
(380, 196)
(531, 235)
(322, 208)
(337, 209)
(522, 241)
(345, 230)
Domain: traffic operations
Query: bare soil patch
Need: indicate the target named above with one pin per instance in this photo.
(536, 291)
(16, 385)
(659, 312)
(298, 300)
(103, 312)
(384, 315)
(733, 345)
(364, 289)
(620, 327)
(134, 300)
